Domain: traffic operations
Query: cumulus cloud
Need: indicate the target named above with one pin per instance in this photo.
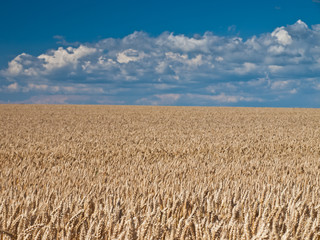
(280, 84)
(245, 68)
(13, 87)
(175, 69)
(20, 65)
(57, 59)
(274, 68)
(129, 55)
(183, 43)
(159, 99)
(70, 99)
(282, 36)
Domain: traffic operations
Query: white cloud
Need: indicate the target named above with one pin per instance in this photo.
(129, 55)
(233, 70)
(185, 44)
(161, 67)
(299, 27)
(211, 89)
(168, 97)
(15, 66)
(246, 68)
(176, 56)
(275, 68)
(196, 61)
(219, 59)
(276, 49)
(222, 98)
(280, 85)
(316, 27)
(160, 99)
(56, 99)
(65, 57)
(282, 36)
(163, 86)
(317, 86)
(183, 58)
(293, 91)
(13, 86)
(39, 87)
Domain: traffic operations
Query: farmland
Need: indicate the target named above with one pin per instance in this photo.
(137, 172)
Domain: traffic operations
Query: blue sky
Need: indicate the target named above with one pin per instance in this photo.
(208, 53)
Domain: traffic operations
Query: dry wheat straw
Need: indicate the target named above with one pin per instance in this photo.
(117, 172)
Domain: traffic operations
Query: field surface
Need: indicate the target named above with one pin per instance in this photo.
(129, 172)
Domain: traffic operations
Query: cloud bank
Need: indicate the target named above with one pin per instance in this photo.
(280, 68)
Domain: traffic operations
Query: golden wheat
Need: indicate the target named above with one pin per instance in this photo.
(129, 172)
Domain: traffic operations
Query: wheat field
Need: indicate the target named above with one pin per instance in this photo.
(137, 172)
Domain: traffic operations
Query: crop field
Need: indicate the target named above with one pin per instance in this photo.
(137, 172)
